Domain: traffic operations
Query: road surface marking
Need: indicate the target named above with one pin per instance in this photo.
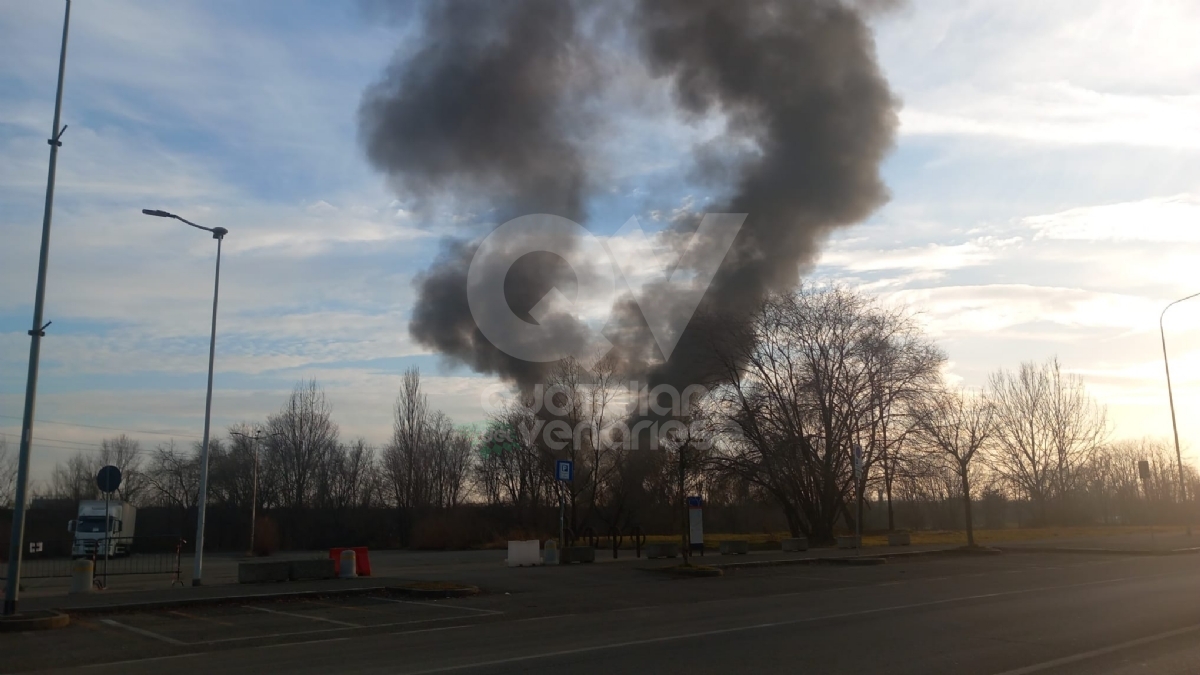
(142, 631)
(243, 638)
(304, 616)
(759, 626)
(196, 617)
(1083, 656)
(126, 662)
(434, 604)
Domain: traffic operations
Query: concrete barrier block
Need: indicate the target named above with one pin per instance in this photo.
(735, 547)
(550, 553)
(795, 545)
(319, 568)
(660, 550)
(260, 572)
(899, 539)
(847, 541)
(578, 554)
(524, 553)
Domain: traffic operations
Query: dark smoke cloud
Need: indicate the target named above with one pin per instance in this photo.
(799, 80)
(487, 110)
(492, 107)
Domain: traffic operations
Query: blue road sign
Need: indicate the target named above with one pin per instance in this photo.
(564, 469)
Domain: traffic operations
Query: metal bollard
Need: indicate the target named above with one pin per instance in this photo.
(639, 539)
(82, 571)
(615, 538)
(346, 568)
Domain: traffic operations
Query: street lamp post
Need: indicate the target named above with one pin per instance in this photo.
(254, 440)
(12, 584)
(1171, 399)
(218, 233)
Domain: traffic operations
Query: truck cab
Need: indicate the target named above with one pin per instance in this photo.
(102, 529)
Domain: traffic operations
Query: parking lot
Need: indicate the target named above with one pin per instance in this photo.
(618, 617)
(136, 635)
(259, 621)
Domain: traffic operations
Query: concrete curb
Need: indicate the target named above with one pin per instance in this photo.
(415, 591)
(38, 619)
(1102, 551)
(695, 572)
(872, 559)
(399, 588)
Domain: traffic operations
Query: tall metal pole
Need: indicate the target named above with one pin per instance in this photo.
(1175, 427)
(107, 530)
(254, 493)
(17, 541)
(219, 235)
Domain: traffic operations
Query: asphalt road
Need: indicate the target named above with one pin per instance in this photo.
(1016, 613)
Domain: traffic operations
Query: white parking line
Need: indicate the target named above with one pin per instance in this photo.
(1082, 656)
(142, 631)
(778, 624)
(434, 604)
(304, 616)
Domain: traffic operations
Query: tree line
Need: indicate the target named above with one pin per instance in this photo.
(823, 373)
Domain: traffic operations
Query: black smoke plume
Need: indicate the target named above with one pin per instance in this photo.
(492, 105)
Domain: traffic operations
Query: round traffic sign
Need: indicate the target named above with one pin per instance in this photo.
(109, 479)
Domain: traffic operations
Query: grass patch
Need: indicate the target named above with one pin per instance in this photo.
(983, 537)
(1014, 534)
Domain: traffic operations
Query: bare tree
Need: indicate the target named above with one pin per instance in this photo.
(8, 473)
(403, 461)
(427, 462)
(126, 454)
(74, 478)
(348, 478)
(820, 371)
(173, 476)
(301, 436)
(957, 425)
(514, 467)
(1047, 429)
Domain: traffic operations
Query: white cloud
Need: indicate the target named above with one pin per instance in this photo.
(930, 257)
(1161, 220)
(1102, 72)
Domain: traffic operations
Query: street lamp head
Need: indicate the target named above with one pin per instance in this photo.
(157, 212)
(219, 232)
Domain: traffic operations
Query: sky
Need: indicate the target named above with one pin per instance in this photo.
(1045, 201)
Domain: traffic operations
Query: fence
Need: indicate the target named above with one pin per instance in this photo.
(145, 555)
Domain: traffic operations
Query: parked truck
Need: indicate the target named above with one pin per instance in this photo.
(89, 527)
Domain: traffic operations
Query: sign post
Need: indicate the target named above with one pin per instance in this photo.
(696, 524)
(564, 472)
(858, 469)
(108, 480)
(1144, 473)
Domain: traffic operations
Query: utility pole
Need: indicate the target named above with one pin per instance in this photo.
(1174, 427)
(36, 333)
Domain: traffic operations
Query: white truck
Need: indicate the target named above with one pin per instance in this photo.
(89, 528)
